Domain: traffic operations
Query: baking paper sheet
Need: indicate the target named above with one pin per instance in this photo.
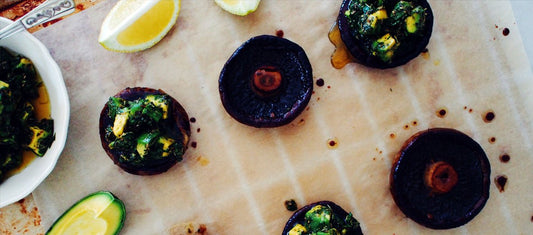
(237, 177)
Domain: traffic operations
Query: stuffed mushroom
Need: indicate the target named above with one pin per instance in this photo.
(323, 217)
(385, 34)
(144, 131)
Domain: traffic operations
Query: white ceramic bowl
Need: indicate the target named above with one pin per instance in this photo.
(22, 184)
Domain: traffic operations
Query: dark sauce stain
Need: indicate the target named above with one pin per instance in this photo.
(496, 26)
(505, 31)
(492, 140)
(406, 127)
(198, 130)
(329, 87)
(489, 116)
(80, 7)
(414, 123)
(505, 158)
(320, 82)
(500, 182)
(291, 205)
(441, 113)
(194, 144)
(392, 135)
(470, 110)
(279, 33)
(192, 119)
(532, 218)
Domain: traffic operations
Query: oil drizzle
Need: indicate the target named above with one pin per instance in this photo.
(341, 56)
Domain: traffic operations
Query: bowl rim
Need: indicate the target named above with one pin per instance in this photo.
(51, 157)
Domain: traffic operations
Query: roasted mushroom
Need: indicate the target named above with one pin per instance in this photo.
(323, 217)
(385, 34)
(144, 131)
(267, 82)
(441, 178)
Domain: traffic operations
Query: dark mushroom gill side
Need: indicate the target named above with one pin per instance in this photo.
(178, 125)
(440, 153)
(298, 217)
(359, 48)
(267, 82)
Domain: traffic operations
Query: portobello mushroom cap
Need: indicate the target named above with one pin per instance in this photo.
(408, 48)
(267, 82)
(299, 216)
(441, 178)
(177, 126)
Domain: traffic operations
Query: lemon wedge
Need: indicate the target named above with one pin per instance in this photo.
(135, 25)
(238, 7)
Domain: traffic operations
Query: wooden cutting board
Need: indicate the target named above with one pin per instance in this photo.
(236, 178)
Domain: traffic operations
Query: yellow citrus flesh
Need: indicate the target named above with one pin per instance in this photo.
(134, 25)
(238, 7)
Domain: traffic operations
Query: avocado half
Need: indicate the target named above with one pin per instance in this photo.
(177, 124)
(267, 82)
(338, 212)
(98, 213)
(440, 178)
(358, 45)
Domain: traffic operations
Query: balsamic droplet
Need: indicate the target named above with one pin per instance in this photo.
(333, 143)
(320, 82)
(500, 181)
(291, 205)
(279, 33)
(489, 116)
(505, 158)
(505, 31)
(441, 113)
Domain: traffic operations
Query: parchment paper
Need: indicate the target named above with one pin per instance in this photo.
(237, 178)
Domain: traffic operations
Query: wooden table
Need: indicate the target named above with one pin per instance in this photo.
(23, 217)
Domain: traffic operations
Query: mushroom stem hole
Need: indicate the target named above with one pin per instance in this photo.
(266, 80)
(440, 177)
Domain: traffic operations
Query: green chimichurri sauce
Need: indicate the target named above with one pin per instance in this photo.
(321, 220)
(387, 29)
(22, 127)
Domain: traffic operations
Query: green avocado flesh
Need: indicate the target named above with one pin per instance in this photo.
(98, 213)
